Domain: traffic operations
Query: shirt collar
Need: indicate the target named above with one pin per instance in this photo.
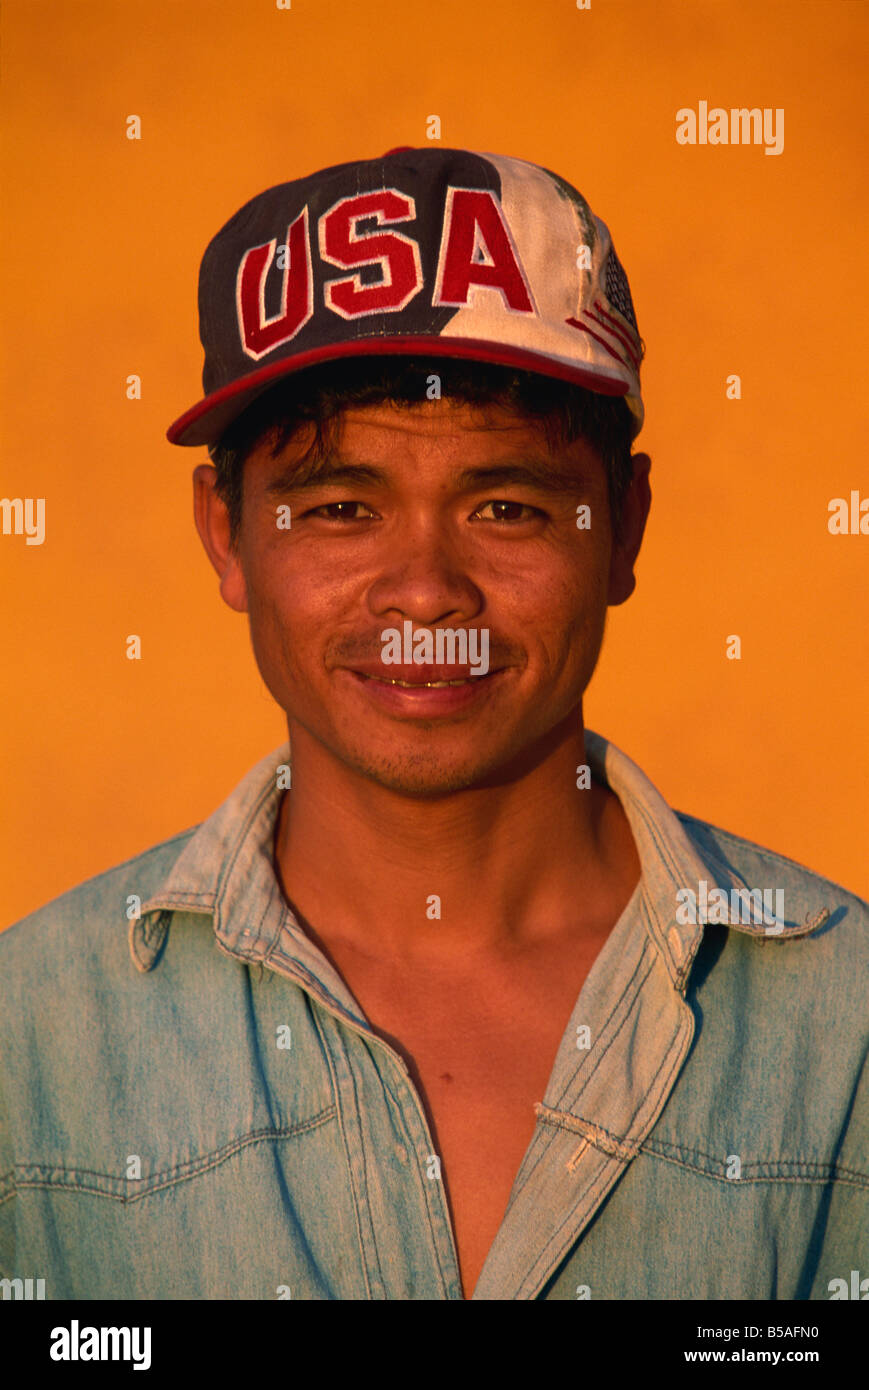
(226, 871)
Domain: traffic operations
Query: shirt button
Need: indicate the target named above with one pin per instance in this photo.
(401, 1153)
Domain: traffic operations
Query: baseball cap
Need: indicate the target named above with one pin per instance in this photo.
(432, 251)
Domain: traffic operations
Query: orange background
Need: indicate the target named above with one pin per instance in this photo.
(738, 262)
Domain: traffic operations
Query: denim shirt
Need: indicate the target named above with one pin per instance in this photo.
(193, 1105)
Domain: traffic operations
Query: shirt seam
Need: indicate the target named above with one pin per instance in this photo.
(823, 1172)
(52, 1176)
(342, 1126)
(426, 1188)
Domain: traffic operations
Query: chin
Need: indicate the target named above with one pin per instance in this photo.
(420, 775)
(424, 776)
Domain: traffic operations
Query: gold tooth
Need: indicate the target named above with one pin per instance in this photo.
(421, 685)
(426, 685)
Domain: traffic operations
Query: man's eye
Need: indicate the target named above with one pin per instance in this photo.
(340, 511)
(508, 511)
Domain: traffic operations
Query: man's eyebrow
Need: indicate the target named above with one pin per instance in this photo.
(316, 472)
(332, 469)
(543, 476)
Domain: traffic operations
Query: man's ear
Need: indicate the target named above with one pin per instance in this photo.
(212, 523)
(635, 510)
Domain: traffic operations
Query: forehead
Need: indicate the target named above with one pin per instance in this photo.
(433, 426)
(432, 434)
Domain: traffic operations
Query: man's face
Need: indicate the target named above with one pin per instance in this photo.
(446, 516)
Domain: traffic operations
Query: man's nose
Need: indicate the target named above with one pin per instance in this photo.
(425, 576)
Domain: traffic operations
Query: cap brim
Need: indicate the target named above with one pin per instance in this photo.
(205, 422)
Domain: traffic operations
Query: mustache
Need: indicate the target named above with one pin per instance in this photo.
(349, 651)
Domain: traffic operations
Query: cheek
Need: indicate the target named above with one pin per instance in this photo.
(272, 613)
(558, 592)
(293, 610)
(561, 616)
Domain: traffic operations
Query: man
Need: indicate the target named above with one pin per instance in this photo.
(486, 1017)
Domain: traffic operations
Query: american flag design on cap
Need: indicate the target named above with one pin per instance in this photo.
(442, 252)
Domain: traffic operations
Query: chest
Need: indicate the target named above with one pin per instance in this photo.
(479, 1094)
(480, 1053)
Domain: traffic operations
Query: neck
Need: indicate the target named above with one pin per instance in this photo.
(479, 870)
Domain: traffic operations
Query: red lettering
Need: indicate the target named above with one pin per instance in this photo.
(260, 335)
(396, 255)
(477, 249)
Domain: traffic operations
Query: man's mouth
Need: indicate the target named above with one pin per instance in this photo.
(421, 685)
(431, 676)
(427, 692)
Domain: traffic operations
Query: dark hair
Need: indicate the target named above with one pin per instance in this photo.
(319, 394)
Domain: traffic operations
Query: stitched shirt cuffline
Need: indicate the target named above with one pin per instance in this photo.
(781, 931)
(591, 1134)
